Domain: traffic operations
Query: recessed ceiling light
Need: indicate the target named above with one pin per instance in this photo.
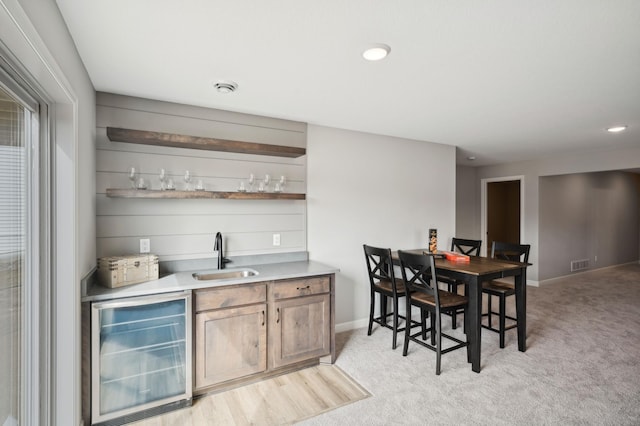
(616, 129)
(471, 158)
(225, 86)
(376, 52)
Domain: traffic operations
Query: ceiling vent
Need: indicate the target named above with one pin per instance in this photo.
(225, 86)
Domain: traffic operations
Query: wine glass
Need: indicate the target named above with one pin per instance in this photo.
(252, 180)
(133, 172)
(283, 181)
(267, 180)
(187, 180)
(162, 174)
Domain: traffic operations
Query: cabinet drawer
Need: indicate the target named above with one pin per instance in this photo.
(299, 287)
(225, 297)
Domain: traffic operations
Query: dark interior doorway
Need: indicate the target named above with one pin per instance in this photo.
(503, 212)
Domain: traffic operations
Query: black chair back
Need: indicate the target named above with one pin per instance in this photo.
(379, 265)
(419, 274)
(468, 247)
(510, 251)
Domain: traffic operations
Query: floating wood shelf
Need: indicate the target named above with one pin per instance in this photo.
(181, 141)
(149, 193)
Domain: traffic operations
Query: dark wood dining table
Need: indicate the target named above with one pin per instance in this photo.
(474, 273)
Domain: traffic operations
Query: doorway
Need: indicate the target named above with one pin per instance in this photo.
(502, 211)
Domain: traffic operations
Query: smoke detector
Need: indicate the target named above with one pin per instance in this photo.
(225, 86)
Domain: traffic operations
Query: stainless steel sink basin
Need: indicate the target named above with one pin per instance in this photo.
(225, 274)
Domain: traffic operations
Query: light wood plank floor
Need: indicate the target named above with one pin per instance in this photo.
(280, 400)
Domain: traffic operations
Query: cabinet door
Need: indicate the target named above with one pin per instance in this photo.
(230, 343)
(299, 329)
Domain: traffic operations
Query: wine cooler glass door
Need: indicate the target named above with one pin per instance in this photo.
(141, 353)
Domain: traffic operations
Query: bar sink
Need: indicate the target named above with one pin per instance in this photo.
(225, 274)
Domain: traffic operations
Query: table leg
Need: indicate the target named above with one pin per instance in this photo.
(474, 311)
(521, 308)
(383, 308)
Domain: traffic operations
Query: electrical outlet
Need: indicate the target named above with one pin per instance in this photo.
(595, 259)
(276, 239)
(145, 245)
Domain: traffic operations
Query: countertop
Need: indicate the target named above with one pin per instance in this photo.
(182, 281)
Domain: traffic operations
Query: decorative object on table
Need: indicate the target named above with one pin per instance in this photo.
(456, 257)
(118, 271)
(433, 240)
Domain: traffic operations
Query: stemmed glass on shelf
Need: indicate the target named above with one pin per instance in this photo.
(132, 174)
(187, 179)
(162, 174)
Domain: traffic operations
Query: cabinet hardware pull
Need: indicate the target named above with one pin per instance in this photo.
(278, 319)
(303, 288)
(263, 317)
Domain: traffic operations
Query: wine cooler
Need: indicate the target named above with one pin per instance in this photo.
(141, 357)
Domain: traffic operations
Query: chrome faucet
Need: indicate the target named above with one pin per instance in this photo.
(217, 246)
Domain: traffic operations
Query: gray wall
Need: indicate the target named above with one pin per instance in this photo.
(467, 203)
(185, 229)
(377, 190)
(577, 162)
(592, 216)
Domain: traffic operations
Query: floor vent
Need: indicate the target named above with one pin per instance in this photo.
(579, 265)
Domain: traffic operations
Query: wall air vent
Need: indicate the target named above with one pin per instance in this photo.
(579, 265)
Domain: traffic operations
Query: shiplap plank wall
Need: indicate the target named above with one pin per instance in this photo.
(185, 229)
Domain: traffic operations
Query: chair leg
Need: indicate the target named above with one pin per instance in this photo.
(438, 342)
(373, 300)
(489, 307)
(434, 322)
(383, 308)
(395, 322)
(423, 323)
(502, 320)
(407, 327)
(454, 320)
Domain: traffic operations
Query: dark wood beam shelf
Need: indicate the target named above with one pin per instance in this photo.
(182, 141)
(149, 193)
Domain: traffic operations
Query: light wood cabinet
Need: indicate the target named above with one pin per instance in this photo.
(300, 320)
(230, 334)
(249, 331)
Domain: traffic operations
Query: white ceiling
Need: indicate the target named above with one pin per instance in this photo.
(503, 80)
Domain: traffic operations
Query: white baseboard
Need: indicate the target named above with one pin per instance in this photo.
(553, 280)
(352, 325)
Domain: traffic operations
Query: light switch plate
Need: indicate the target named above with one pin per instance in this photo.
(276, 239)
(145, 245)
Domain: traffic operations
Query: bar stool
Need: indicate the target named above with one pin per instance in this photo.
(503, 289)
(383, 282)
(464, 246)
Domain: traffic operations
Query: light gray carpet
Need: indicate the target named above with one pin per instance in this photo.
(582, 365)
